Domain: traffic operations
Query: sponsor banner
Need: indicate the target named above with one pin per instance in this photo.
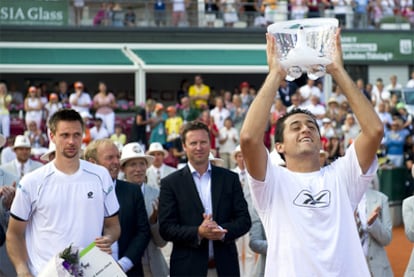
(34, 12)
(378, 47)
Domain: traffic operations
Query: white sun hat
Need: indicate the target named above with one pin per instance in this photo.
(21, 141)
(157, 147)
(235, 152)
(2, 140)
(52, 149)
(215, 161)
(134, 150)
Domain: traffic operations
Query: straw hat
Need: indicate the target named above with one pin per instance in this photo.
(157, 147)
(2, 140)
(22, 142)
(45, 156)
(134, 150)
(215, 161)
(236, 151)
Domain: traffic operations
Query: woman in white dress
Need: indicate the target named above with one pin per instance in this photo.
(33, 107)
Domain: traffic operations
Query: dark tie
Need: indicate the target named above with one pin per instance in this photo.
(359, 226)
(158, 177)
(21, 170)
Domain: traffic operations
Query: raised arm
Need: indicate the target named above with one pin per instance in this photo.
(372, 130)
(252, 132)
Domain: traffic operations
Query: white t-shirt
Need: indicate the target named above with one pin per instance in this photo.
(309, 220)
(83, 99)
(61, 209)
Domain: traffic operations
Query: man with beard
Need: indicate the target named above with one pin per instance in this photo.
(67, 202)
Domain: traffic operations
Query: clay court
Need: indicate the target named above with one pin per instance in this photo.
(399, 251)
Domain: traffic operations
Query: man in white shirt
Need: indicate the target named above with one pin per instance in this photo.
(158, 169)
(99, 131)
(308, 211)
(307, 91)
(80, 100)
(219, 113)
(67, 202)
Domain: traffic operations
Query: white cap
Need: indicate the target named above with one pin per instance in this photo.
(215, 161)
(134, 150)
(157, 147)
(52, 149)
(22, 141)
(236, 151)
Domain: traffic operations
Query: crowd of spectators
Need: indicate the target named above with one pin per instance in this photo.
(361, 14)
(223, 111)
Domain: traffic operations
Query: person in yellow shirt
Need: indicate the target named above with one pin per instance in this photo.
(199, 93)
(119, 137)
(173, 124)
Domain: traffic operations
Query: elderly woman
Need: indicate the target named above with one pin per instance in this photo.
(134, 164)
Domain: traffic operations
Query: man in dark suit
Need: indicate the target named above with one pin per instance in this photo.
(202, 210)
(285, 91)
(135, 230)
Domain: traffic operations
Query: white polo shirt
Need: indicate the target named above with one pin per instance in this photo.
(309, 220)
(62, 209)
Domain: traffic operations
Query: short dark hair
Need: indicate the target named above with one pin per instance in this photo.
(280, 124)
(64, 115)
(193, 126)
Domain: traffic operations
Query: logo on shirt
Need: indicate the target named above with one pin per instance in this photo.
(306, 199)
(90, 195)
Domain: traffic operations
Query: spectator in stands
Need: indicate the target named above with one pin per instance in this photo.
(299, 9)
(219, 113)
(33, 107)
(100, 17)
(229, 10)
(119, 138)
(99, 131)
(350, 129)
(160, 13)
(379, 94)
(335, 148)
(5, 100)
(199, 93)
(393, 85)
(130, 17)
(23, 164)
(316, 108)
(394, 141)
(158, 169)
(78, 11)
(211, 10)
(38, 140)
(269, 9)
(7, 153)
(214, 131)
(52, 106)
(179, 12)
(237, 112)
(385, 116)
(307, 90)
(406, 118)
(158, 125)
(185, 111)
(249, 8)
(63, 93)
(360, 14)
(332, 112)
(316, 7)
(341, 9)
(361, 86)
(327, 129)
(86, 137)
(276, 111)
(245, 95)
(79, 99)
(104, 102)
(228, 139)
(118, 16)
(285, 91)
(173, 124)
(410, 83)
(295, 99)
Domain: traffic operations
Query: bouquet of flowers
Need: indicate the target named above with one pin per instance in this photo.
(65, 264)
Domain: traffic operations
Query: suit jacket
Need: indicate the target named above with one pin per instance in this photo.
(11, 168)
(6, 179)
(408, 219)
(181, 213)
(152, 174)
(258, 242)
(380, 234)
(157, 263)
(135, 230)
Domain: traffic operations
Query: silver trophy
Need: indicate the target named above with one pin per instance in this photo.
(305, 45)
